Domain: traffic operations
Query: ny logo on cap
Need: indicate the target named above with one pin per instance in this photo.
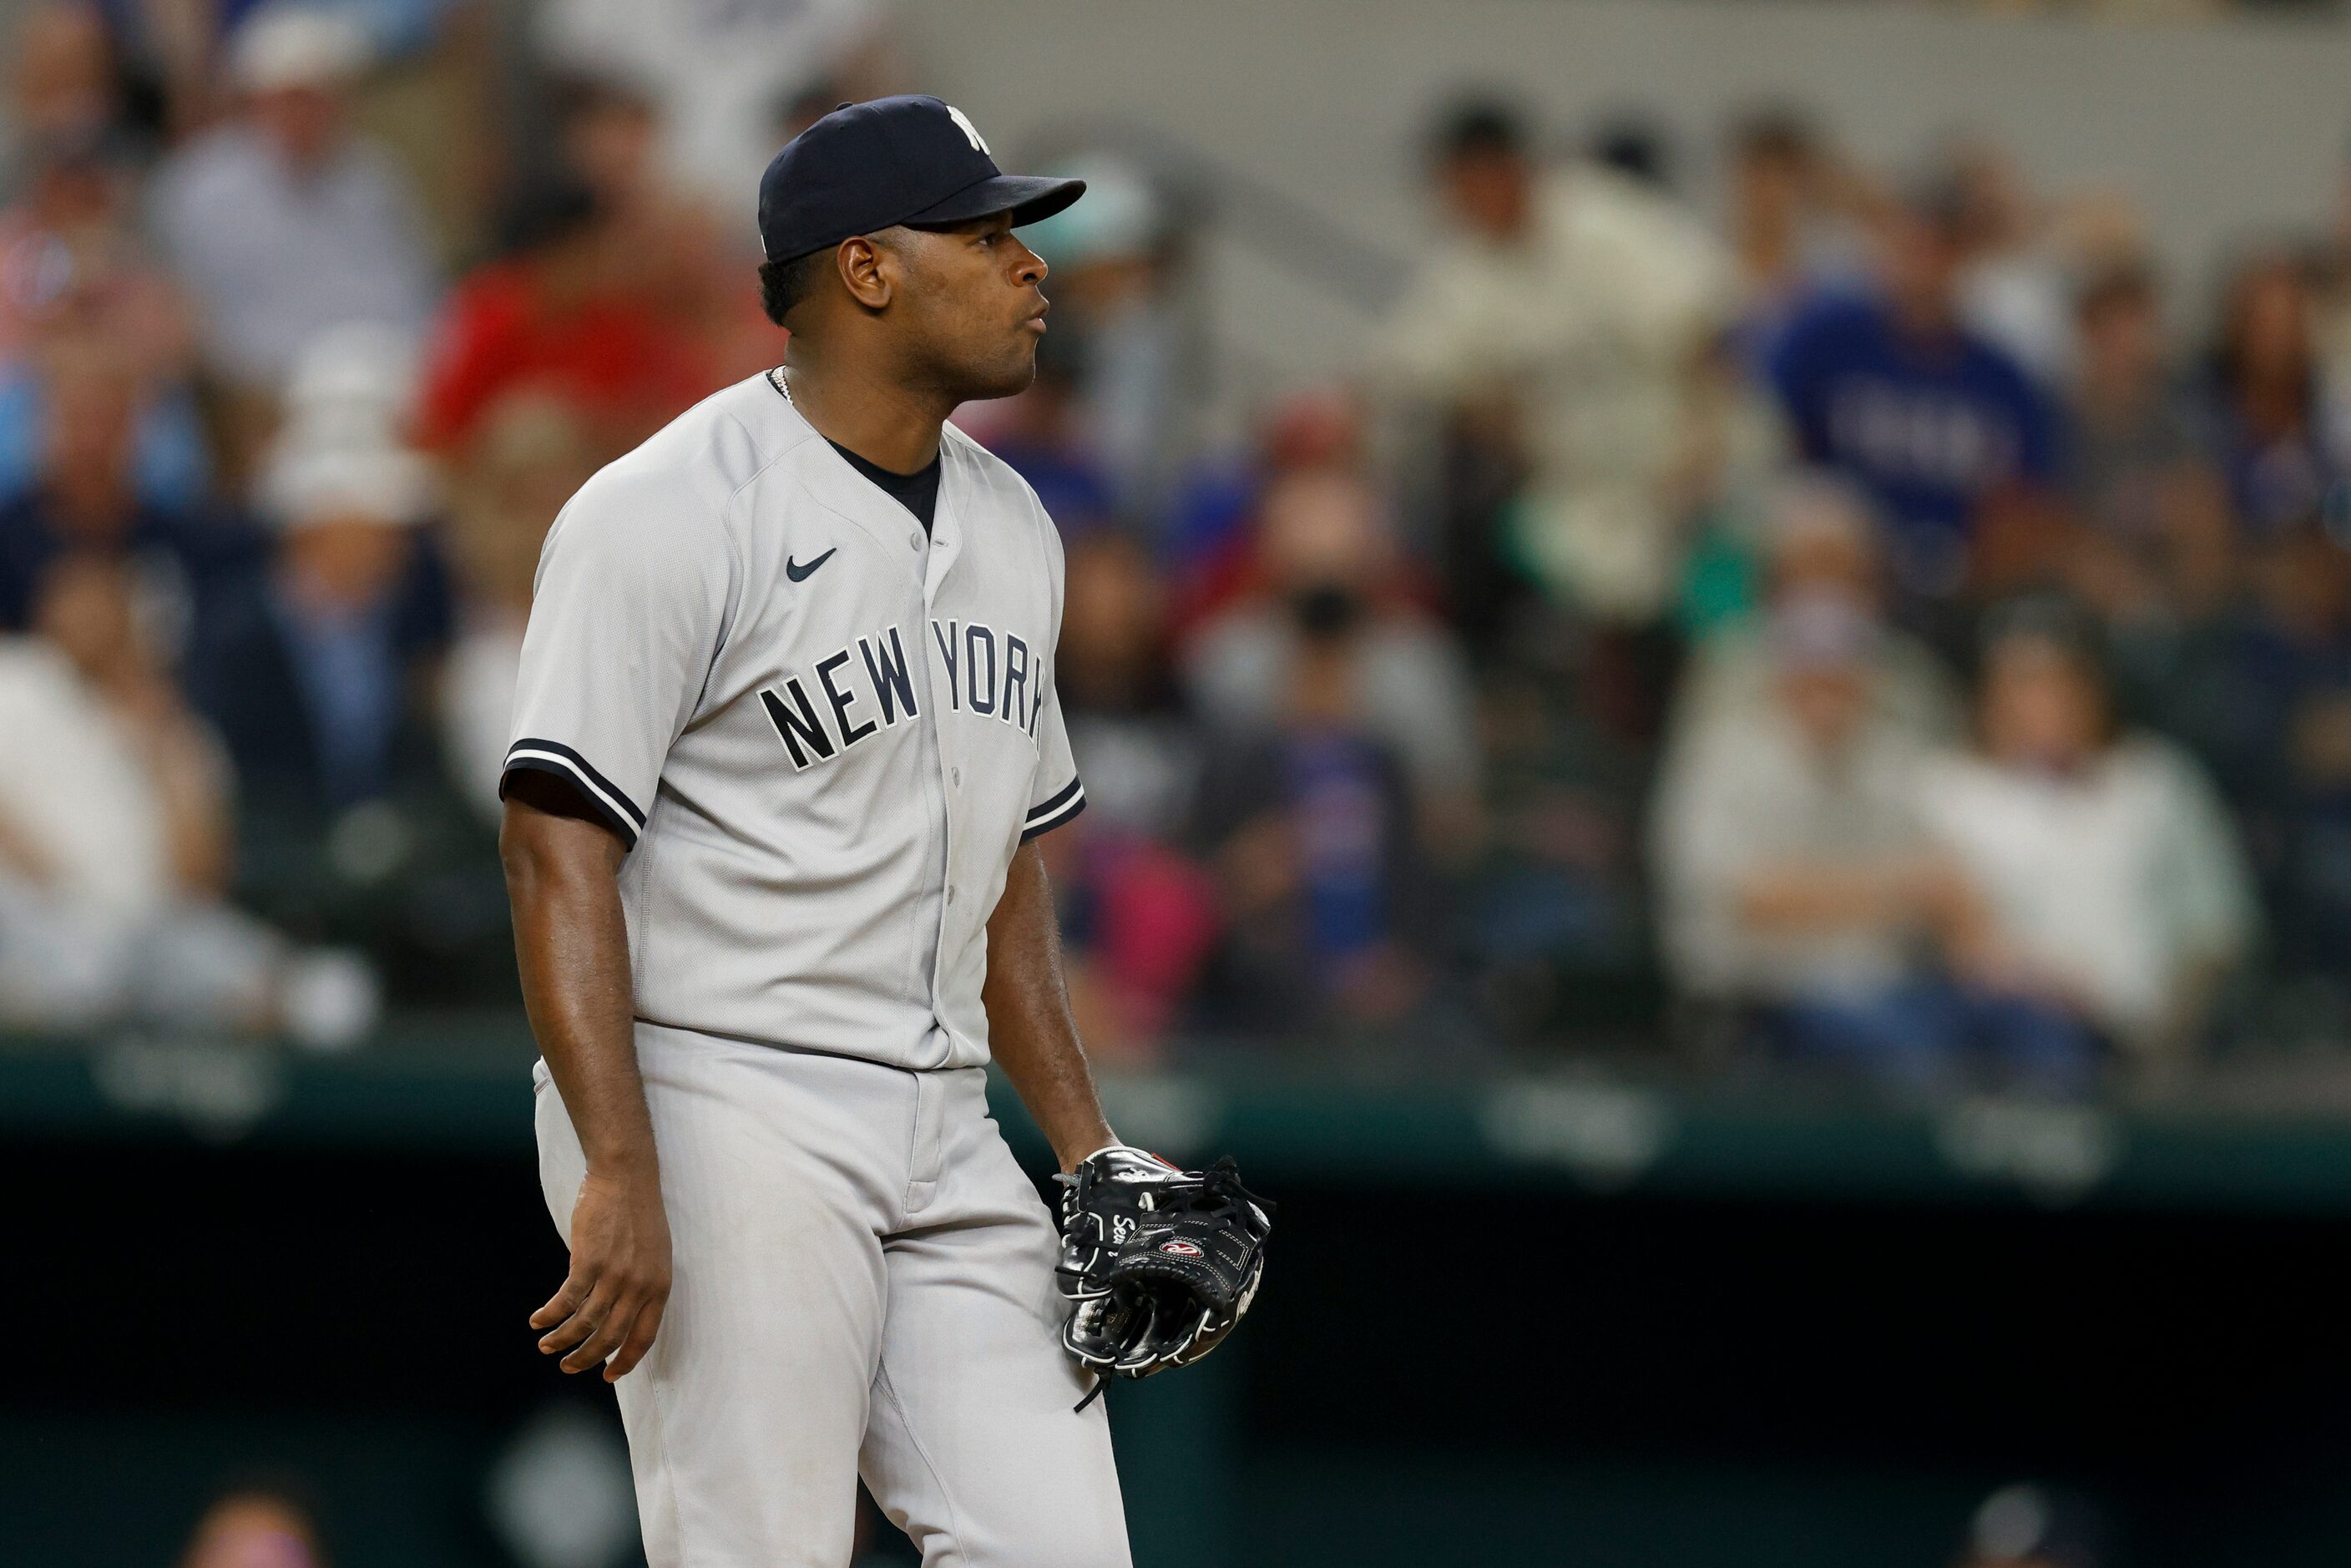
(971, 131)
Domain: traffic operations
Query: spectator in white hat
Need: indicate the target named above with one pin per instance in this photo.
(313, 668)
(283, 223)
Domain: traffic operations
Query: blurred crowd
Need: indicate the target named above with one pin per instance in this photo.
(311, 319)
(1885, 626)
(1880, 628)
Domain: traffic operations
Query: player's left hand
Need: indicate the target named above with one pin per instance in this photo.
(610, 1306)
(1159, 1264)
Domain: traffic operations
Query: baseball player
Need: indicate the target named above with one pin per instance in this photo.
(785, 736)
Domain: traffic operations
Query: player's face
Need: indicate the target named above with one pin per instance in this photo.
(974, 306)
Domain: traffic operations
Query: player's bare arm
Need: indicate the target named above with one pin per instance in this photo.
(571, 944)
(1029, 1028)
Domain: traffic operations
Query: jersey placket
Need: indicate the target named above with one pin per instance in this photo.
(947, 533)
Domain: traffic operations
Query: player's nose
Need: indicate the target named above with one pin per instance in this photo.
(1030, 267)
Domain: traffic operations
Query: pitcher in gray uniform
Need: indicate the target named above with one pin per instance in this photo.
(785, 731)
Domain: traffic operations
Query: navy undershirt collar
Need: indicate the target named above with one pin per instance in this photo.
(917, 492)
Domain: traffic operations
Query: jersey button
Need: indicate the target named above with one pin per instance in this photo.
(914, 541)
(950, 893)
(956, 774)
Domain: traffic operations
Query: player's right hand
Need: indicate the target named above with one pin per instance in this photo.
(609, 1308)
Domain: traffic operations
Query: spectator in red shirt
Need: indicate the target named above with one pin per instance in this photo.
(681, 255)
(558, 315)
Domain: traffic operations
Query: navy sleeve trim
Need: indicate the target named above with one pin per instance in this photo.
(1053, 813)
(1061, 798)
(619, 813)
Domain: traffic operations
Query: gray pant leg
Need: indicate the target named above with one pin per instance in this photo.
(973, 1447)
(744, 1419)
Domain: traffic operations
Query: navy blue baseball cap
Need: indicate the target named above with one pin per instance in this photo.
(907, 160)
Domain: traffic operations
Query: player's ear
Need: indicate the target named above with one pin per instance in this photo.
(866, 271)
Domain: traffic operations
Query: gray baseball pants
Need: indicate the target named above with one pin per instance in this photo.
(863, 1286)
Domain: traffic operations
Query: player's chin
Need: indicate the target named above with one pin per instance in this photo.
(1010, 373)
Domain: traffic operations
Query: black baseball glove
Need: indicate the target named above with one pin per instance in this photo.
(1158, 1264)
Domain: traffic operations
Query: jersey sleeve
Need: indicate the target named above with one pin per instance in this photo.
(626, 616)
(1058, 795)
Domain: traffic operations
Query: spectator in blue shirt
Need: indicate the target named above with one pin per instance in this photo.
(84, 498)
(2267, 419)
(308, 665)
(1894, 392)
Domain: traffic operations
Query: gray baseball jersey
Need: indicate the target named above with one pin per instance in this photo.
(822, 733)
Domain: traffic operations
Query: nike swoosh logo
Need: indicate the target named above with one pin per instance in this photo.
(798, 572)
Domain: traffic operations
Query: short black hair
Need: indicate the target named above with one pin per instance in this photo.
(2124, 281)
(541, 214)
(1479, 127)
(1635, 146)
(1937, 193)
(2052, 618)
(1775, 134)
(575, 96)
(784, 284)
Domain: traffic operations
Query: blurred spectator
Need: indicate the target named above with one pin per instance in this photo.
(1309, 825)
(76, 282)
(1138, 916)
(2013, 289)
(61, 78)
(721, 74)
(1894, 391)
(1127, 345)
(1795, 874)
(1040, 432)
(531, 454)
(2257, 689)
(2308, 866)
(1637, 145)
(2229, 682)
(1550, 917)
(670, 248)
(253, 1528)
(562, 314)
(1556, 329)
(1118, 687)
(69, 251)
(2264, 400)
(2156, 551)
(114, 832)
(311, 667)
(1210, 538)
(172, 54)
(1733, 443)
(2132, 445)
(1790, 231)
(2116, 898)
(85, 499)
(1819, 543)
(1330, 610)
(282, 223)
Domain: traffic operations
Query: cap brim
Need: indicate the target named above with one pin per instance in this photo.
(1028, 197)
